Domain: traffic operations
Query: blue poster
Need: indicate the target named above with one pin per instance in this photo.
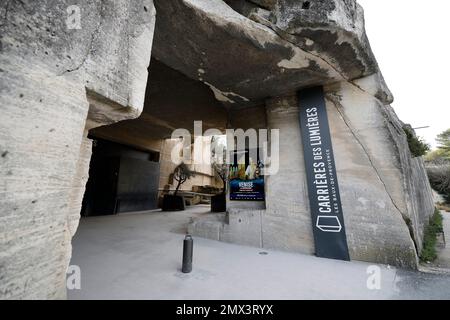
(246, 180)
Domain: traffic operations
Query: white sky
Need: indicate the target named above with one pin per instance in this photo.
(410, 39)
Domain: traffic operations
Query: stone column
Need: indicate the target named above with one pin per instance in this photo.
(287, 221)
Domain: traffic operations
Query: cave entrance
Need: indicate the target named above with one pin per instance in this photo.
(121, 179)
(131, 168)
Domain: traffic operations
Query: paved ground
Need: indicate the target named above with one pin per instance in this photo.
(138, 256)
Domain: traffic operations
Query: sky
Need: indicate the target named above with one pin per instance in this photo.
(411, 41)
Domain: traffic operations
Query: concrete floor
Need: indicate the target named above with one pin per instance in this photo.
(138, 256)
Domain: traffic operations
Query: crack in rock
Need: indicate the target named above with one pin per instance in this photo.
(292, 40)
(337, 105)
(5, 17)
(91, 42)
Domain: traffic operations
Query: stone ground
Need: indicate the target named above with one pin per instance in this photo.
(138, 256)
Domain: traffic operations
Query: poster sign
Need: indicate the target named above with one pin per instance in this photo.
(323, 189)
(246, 181)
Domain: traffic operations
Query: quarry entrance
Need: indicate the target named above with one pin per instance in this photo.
(136, 71)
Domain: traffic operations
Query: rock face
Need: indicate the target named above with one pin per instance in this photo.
(58, 81)
(246, 53)
(374, 166)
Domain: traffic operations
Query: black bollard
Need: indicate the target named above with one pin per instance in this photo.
(188, 247)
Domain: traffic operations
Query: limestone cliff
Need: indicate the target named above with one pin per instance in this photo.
(64, 69)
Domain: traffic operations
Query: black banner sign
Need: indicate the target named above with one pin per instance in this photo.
(326, 210)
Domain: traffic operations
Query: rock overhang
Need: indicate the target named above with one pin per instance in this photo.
(249, 50)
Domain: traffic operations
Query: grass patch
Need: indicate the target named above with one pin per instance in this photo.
(434, 227)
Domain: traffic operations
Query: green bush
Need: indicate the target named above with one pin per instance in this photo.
(417, 146)
(429, 241)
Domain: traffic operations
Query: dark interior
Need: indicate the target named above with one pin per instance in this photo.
(121, 179)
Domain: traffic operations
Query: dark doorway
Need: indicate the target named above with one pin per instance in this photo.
(121, 179)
